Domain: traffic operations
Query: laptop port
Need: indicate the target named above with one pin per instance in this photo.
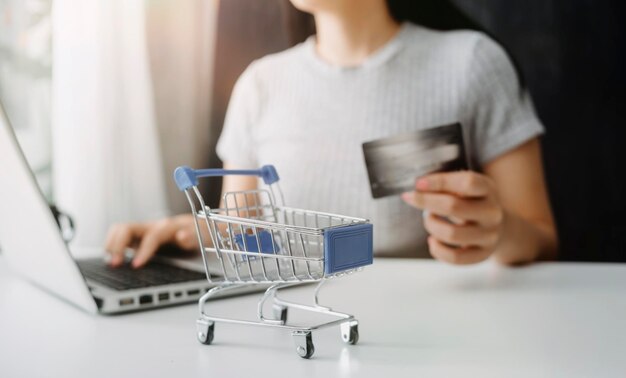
(178, 294)
(193, 292)
(127, 301)
(99, 302)
(164, 297)
(145, 299)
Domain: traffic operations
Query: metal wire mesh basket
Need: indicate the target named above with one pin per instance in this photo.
(251, 240)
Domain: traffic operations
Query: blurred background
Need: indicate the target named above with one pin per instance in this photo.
(108, 97)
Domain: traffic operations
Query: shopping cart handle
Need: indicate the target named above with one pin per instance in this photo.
(186, 177)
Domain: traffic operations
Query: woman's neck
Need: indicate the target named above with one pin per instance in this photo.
(346, 37)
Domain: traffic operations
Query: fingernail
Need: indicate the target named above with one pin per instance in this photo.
(136, 263)
(407, 196)
(422, 184)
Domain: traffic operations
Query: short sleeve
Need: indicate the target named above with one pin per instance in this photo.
(500, 112)
(236, 142)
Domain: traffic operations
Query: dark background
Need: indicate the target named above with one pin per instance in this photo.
(571, 54)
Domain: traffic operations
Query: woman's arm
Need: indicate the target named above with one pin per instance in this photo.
(504, 212)
(529, 233)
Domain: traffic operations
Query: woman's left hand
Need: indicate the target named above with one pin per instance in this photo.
(464, 218)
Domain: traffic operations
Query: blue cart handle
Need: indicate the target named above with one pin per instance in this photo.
(186, 177)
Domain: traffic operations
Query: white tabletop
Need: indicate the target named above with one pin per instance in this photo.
(417, 318)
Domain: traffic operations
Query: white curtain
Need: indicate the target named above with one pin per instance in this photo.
(106, 159)
(181, 38)
(130, 101)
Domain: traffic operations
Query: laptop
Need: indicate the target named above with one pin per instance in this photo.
(32, 244)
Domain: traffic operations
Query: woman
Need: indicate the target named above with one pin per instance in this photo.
(370, 73)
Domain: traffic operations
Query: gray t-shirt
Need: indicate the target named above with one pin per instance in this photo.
(309, 119)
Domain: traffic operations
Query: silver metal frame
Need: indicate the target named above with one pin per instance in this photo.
(235, 233)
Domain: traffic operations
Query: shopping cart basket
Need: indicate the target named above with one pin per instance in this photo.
(252, 241)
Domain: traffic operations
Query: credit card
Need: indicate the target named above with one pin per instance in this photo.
(393, 164)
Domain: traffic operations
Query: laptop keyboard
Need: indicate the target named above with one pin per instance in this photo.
(125, 277)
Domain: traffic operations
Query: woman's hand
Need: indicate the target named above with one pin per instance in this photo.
(146, 238)
(463, 215)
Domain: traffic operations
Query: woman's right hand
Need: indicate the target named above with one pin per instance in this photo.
(146, 238)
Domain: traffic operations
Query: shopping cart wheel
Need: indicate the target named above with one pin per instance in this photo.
(350, 332)
(304, 343)
(280, 313)
(205, 330)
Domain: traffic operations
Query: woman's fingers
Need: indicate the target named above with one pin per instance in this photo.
(457, 256)
(464, 235)
(158, 234)
(179, 230)
(464, 184)
(148, 237)
(466, 195)
(468, 199)
(186, 238)
(480, 210)
(121, 237)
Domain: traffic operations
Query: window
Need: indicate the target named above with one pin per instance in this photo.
(25, 80)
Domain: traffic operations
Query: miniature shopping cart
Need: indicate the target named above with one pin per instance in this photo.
(252, 241)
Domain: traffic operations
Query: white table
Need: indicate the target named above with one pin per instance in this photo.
(417, 319)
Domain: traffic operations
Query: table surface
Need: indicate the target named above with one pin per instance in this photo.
(416, 318)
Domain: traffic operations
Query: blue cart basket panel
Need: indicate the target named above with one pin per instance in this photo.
(348, 247)
(265, 238)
